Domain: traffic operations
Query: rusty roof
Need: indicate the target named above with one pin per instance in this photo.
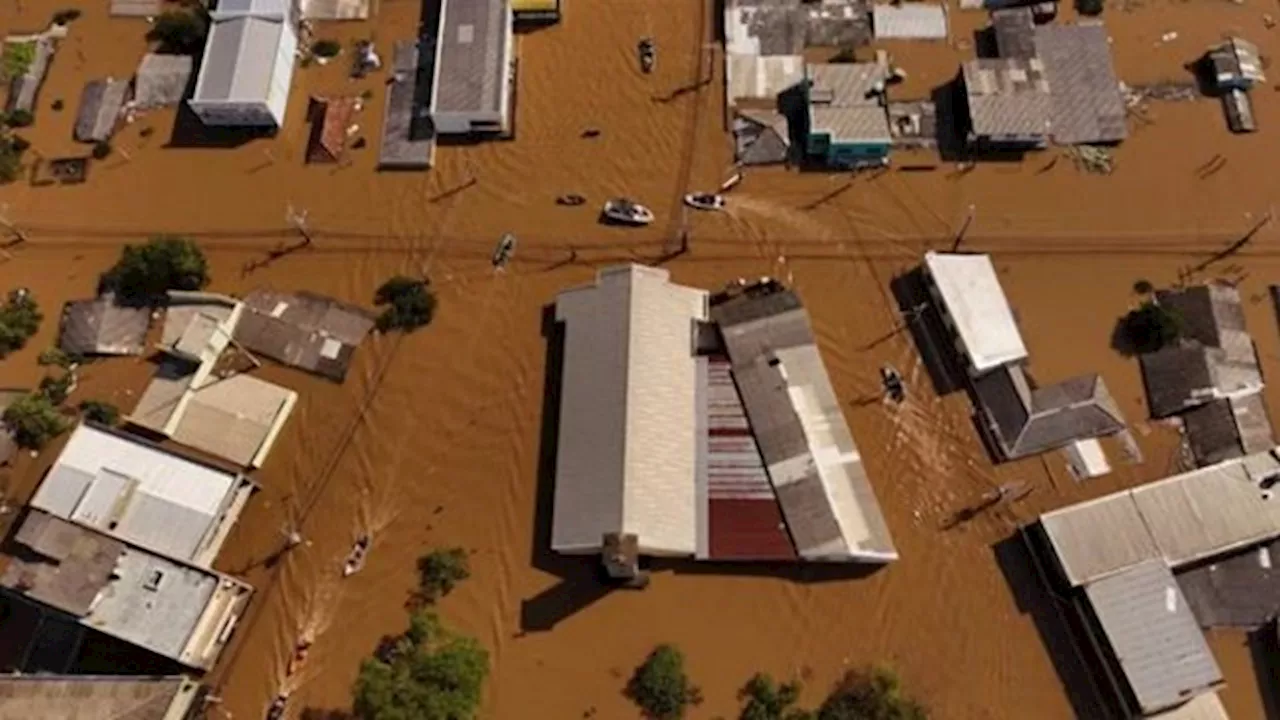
(329, 122)
(303, 330)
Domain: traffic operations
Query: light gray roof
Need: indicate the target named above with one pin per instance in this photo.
(761, 137)
(161, 80)
(1153, 634)
(1007, 96)
(843, 101)
(471, 59)
(138, 492)
(910, 21)
(627, 454)
(239, 59)
(976, 303)
(1087, 104)
(86, 697)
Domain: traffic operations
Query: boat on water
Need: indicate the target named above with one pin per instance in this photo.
(275, 711)
(355, 558)
(627, 212)
(501, 256)
(571, 200)
(892, 381)
(704, 201)
(648, 54)
(300, 652)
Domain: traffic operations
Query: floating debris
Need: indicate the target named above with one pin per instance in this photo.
(1093, 158)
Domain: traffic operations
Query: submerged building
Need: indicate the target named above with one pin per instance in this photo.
(247, 69)
(474, 69)
(702, 428)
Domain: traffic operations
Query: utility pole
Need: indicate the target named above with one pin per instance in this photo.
(1238, 245)
(299, 221)
(964, 228)
(18, 234)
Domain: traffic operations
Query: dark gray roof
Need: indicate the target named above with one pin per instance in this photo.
(1087, 105)
(1027, 421)
(65, 565)
(1154, 636)
(472, 56)
(101, 327)
(307, 331)
(1177, 378)
(1236, 590)
(1007, 97)
(100, 105)
(405, 142)
(787, 27)
(1205, 312)
(761, 137)
(1015, 31)
(1228, 428)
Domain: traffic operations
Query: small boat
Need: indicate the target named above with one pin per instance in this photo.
(648, 54)
(355, 558)
(571, 200)
(704, 201)
(892, 381)
(590, 133)
(276, 710)
(627, 212)
(300, 652)
(501, 256)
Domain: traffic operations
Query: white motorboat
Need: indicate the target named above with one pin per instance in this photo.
(627, 212)
(704, 201)
(355, 559)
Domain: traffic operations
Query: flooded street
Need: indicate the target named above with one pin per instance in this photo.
(436, 438)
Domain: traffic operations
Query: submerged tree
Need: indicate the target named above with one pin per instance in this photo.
(439, 572)
(410, 303)
(874, 694)
(166, 262)
(1151, 327)
(660, 686)
(428, 673)
(766, 699)
(179, 32)
(34, 420)
(20, 318)
(100, 412)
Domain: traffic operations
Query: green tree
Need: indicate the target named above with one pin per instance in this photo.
(20, 318)
(145, 272)
(57, 388)
(874, 694)
(179, 32)
(1089, 7)
(17, 58)
(34, 420)
(440, 571)
(428, 673)
(410, 303)
(1151, 327)
(100, 412)
(766, 699)
(326, 48)
(19, 118)
(10, 158)
(660, 686)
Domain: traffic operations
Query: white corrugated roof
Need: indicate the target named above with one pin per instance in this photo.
(978, 307)
(910, 21)
(1180, 519)
(762, 76)
(1204, 707)
(628, 413)
(156, 499)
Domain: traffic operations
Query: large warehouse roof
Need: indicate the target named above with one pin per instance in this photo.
(627, 455)
(472, 59)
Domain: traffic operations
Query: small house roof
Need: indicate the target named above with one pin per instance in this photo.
(1030, 420)
(161, 80)
(100, 106)
(330, 118)
(844, 101)
(303, 330)
(102, 327)
(1007, 96)
(909, 21)
(1087, 106)
(975, 301)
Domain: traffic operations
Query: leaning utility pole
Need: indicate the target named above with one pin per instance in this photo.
(18, 235)
(299, 221)
(1238, 245)
(964, 228)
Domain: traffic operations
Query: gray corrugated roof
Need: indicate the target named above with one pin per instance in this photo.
(843, 101)
(1087, 105)
(1015, 32)
(239, 59)
(161, 80)
(472, 56)
(1007, 96)
(404, 145)
(101, 327)
(67, 566)
(1153, 634)
(910, 21)
(99, 111)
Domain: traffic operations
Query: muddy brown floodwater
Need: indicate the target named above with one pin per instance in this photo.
(435, 438)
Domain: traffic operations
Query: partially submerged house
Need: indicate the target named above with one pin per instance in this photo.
(847, 124)
(1235, 64)
(1210, 376)
(230, 415)
(1019, 418)
(909, 21)
(143, 494)
(1008, 101)
(101, 326)
(330, 121)
(161, 80)
(247, 68)
(119, 697)
(1015, 32)
(169, 607)
(25, 86)
(408, 140)
(303, 330)
(761, 137)
(768, 471)
(100, 106)
(473, 85)
(1120, 559)
(1088, 107)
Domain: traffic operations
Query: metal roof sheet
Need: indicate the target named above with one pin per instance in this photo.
(627, 454)
(977, 305)
(1153, 634)
(762, 76)
(1007, 96)
(471, 56)
(240, 59)
(81, 697)
(910, 21)
(101, 327)
(1087, 104)
(161, 80)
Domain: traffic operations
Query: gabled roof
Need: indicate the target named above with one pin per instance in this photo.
(102, 327)
(1028, 421)
(240, 58)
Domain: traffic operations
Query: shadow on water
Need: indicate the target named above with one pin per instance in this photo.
(797, 572)
(932, 339)
(312, 713)
(1050, 616)
(190, 132)
(579, 578)
(1266, 667)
